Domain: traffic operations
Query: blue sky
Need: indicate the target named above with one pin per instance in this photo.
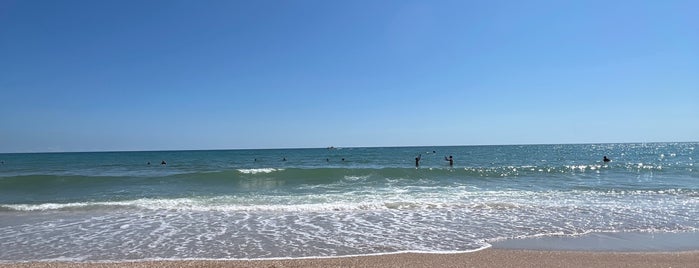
(169, 75)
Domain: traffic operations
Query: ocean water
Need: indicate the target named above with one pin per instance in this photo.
(249, 204)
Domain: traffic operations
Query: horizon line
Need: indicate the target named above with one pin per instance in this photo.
(336, 147)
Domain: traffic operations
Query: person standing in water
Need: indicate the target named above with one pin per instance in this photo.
(606, 160)
(450, 159)
(417, 160)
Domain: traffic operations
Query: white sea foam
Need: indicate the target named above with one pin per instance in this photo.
(186, 204)
(356, 178)
(258, 170)
(338, 224)
(408, 198)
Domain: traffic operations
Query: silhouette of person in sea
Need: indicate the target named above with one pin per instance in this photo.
(284, 159)
(163, 163)
(148, 163)
(605, 159)
(450, 159)
(417, 160)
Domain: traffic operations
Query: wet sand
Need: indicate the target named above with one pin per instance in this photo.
(607, 242)
(484, 258)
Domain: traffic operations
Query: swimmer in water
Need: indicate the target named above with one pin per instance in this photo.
(450, 159)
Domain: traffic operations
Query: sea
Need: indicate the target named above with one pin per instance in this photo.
(297, 203)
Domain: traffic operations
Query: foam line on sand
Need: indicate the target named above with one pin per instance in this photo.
(484, 258)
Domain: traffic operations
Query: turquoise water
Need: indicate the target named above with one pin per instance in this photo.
(235, 204)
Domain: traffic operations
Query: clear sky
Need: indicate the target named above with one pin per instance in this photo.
(169, 75)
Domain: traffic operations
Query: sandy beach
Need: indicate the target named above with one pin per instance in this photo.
(484, 258)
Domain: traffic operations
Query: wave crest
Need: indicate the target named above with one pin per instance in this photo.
(258, 170)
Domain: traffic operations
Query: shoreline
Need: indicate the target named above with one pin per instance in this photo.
(620, 242)
(602, 249)
(485, 258)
